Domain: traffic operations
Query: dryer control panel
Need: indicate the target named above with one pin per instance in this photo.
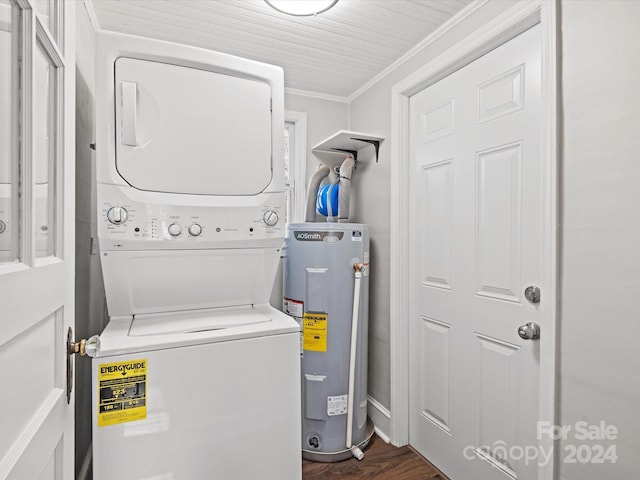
(129, 225)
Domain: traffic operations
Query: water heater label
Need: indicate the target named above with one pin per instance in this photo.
(337, 405)
(292, 307)
(122, 392)
(315, 236)
(314, 332)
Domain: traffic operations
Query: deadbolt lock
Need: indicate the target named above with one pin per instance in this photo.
(532, 294)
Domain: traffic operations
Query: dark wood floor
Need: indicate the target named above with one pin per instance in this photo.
(381, 461)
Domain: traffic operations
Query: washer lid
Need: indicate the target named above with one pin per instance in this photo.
(190, 131)
(195, 321)
(116, 339)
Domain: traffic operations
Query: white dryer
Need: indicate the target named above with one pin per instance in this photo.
(195, 376)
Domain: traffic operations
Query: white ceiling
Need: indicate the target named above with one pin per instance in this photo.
(335, 53)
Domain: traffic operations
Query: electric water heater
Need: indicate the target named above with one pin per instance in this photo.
(326, 289)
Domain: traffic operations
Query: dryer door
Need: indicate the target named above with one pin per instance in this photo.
(190, 131)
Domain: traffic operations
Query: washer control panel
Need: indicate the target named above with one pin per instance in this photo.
(126, 223)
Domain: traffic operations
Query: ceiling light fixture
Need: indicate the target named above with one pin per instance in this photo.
(301, 8)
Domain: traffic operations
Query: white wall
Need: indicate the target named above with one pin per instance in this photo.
(90, 312)
(600, 306)
(324, 118)
(370, 112)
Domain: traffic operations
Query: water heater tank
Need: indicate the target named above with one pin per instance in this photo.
(319, 285)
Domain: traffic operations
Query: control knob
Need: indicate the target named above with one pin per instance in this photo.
(174, 229)
(195, 230)
(117, 215)
(270, 217)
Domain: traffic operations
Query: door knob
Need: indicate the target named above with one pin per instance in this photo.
(529, 331)
(532, 294)
(82, 348)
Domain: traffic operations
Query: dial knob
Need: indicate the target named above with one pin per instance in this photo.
(174, 229)
(117, 215)
(270, 217)
(3, 226)
(195, 230)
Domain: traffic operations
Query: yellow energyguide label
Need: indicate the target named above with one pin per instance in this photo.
(122, 392)
(314, 330)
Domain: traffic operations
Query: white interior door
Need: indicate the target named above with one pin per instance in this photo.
(36, 237)
(476, 237)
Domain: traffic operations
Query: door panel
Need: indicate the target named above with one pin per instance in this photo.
(502, 95)
(476, 243)
(435, 373)
(36, 286)
(498, 224)
(436, 212)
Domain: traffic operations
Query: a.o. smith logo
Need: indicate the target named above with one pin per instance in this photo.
(309, 236)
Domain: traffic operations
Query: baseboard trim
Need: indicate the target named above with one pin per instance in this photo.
(85, 469)
(381, 418)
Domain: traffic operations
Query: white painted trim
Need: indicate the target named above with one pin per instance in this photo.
(381, 418)
(300, 168)
(516, 20)
(319, 96)
(85, 468)
(551, 158)
(91, 12)
(435, 35)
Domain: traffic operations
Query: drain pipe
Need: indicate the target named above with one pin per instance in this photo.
(345, 188)
(312, 191)
(357, 453)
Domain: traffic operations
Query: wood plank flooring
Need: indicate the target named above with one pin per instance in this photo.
(381, 461)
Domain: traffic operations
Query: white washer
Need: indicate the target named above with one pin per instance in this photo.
(195, 376)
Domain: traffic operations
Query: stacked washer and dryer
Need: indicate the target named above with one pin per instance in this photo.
(195, 376)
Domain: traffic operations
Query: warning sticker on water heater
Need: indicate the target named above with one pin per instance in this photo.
(314, 332)
(122, 392)
(292, 307)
